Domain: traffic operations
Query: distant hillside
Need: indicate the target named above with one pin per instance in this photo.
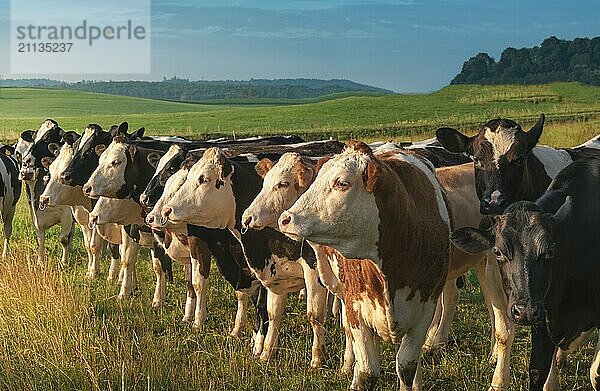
(199, 91)
(554, 60)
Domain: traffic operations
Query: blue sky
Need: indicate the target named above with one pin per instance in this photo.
(403, 45)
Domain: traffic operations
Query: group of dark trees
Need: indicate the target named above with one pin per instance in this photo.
(185, 90)
(554, 60)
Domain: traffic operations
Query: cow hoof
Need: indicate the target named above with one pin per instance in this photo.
(91, 275)
(436, 349)
(157, 304)
(196, 327)
(264, 357)
(187, 319)
(235, 334)
(346, 370)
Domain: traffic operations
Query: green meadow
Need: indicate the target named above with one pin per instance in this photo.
(59, 330)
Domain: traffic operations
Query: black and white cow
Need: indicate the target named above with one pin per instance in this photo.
(10, 191)
(33, 148)
(508, 165)
(549, 256)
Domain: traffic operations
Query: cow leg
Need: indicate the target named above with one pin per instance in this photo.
(115, 260)
(41, 242)
(505, 329)
(275, 307)
(87, 242)
(408, 357)
(160, 288)
(200, 262)
(262, 321)
(190, 299)
(348, 351)
(595, 368)
(240, 315)
(302, 294)
(542, 354)
(366, 351)
(129, 252)
(445, 307)
(67, 226)
(562, 355)
(94, 245)
(485, 289)
(316, 310)
(7, 219)
(552, 383)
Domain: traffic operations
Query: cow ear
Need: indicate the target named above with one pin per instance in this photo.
(563, 213)
(453, 140)
(535, 132)
(27, 136)
(132, 150)
(114, 130)
(305, 173)
(123, 127)
(137, 134)
(54, 148)
(322, 161)
(99, 149)
(153, 158)
(7, 150)
(472, 240)
(264, 166)
(70, 137)
(370, 175)
(47, 161)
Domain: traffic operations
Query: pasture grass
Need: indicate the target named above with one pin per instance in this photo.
(396, 116)
(59, 330)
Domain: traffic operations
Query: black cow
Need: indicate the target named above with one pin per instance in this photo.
(508, 165)
(549, 257)
(10, 191)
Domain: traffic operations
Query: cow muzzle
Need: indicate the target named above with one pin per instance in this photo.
(164, 215)
(44, 201)
(93, 221)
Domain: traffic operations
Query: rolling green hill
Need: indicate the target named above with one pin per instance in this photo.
(399, 116)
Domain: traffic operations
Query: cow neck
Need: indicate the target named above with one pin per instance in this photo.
(413, 245)
(534, 181)
(138, 173)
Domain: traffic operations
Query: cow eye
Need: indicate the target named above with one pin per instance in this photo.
(202, 179)
(116, 163)
(341, 185)
(283, 185)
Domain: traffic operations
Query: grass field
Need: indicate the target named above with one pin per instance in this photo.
(61, 331)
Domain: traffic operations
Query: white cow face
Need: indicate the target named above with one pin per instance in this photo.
(283, 184)
(339, 208)
(173, 184)
(206, 198)
(56, 193)
(109, 176)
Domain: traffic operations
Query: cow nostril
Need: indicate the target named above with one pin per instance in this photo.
(518, 312)
(247, 221)
(143, 199)
(167, 211)
(285, 220)
(87, 189)
(150, 219)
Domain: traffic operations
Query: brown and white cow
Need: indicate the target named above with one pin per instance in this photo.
(387, 218)
(287, 179)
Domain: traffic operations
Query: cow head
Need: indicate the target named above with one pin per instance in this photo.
(165, 167)
(283, 184)
(206, 198)
(55, 192)
(524, 242)
(109, 178)
(41, 144)
(113, 210)
(339, 208)
(88, 149)
(500, 151)
(154, 218)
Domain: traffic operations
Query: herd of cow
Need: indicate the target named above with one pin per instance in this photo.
(387, 229)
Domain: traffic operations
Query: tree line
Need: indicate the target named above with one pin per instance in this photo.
(554, 60)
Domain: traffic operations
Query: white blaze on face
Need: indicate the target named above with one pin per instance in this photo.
(279, 191)
(346, 219)
(44, 128)
(172, 152)
(87, 134)
(55, 192)
(502, 139)
(109, 176)
(199, 201)
(172, 185)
